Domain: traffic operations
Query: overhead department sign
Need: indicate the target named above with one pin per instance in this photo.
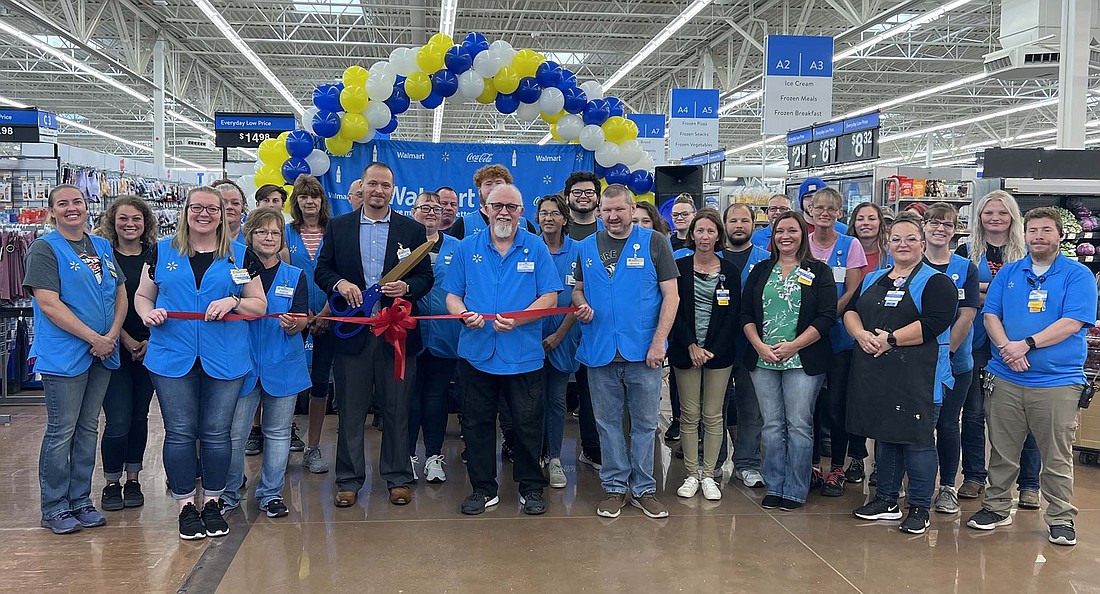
(798, 82)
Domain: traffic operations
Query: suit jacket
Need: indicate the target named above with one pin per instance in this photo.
(818, 309)
(340, 259)
(724, 319)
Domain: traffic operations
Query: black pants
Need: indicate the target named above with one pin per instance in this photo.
(590, 434)
(836, 411)
(324, 345)
(126, 407)
(361, 379)
(524, 396)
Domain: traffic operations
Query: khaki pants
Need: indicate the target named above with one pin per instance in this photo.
(702, 390)
(1050, 414)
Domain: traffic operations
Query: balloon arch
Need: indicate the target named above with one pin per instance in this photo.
(522, 82)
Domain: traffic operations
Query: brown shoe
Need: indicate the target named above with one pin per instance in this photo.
(971, 490)
(401, 496)
(1029, 500)
(346, 498)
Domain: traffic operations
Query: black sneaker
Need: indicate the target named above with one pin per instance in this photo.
(275, 508)
(988, 520)
(771, 501)
(212, 518)
(673, 431)
(533, 503)
(476, 503)
(873, 479)
(377, 421)
(877, 509)
(855, 473)
(917, 521)
(834, 483)
(789, 504)
(112, 498)
(255, 443)
(1063, 534)
(817, 479)
(296, 443)
(132, 495)
(191, 526)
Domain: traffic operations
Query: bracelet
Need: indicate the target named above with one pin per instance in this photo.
(238, 298)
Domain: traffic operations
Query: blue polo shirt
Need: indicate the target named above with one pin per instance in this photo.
(489, 283)
(1070, 293)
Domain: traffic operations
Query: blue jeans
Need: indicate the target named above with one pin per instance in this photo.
(428, 402)
(948, 429)
(67, 458)
(126, 407)
(626, 388)
(973, 436)
(197, 407)
(275, 421)
(893, 460)
(556, 382)
(746, 451)
(787, 401)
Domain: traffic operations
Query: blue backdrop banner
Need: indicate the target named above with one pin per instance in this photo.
(419, 166)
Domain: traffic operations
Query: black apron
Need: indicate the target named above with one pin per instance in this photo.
(891, 398)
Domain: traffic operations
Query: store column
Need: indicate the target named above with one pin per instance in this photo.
(1073, 74)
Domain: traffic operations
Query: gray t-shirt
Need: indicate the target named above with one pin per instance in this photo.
(705, 285)
(578, 231)
(610, 248)
(41, 264)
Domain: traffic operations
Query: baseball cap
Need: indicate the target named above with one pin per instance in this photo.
(811, 185)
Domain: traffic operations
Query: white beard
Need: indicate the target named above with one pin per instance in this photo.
(503, 230)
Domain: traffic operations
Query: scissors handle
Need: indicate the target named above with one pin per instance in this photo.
(341, 308)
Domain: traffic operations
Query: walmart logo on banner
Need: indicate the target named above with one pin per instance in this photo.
(419, 166)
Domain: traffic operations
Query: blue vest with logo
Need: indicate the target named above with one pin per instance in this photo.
(963, 361)
(943, 358)
(299, 256)
(57, 351)
(838, 257)
(627, 305)
(440, 337)
(474, 222)
(278, 359)
(174, 345)
(564, 356)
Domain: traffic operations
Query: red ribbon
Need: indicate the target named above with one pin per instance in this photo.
(392, 323)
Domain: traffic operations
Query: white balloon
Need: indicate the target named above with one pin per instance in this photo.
(528, 111)
(570, 126)
(608, 154)
(591, 137)
(257, 166)
(504, 50)
(405, 62)
(487, 64)
(592, 90)
(318, 163)
(551, 101)
(630, 152)
(470, 84)
(378, 114)
(247, 184)
(646, 164)
(307, 119)
(380, 85)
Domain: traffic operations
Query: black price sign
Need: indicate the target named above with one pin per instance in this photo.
(858, 146)
(248, 130)
(837, 143)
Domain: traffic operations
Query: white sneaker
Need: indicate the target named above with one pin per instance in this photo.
(413, 460)
(689, 488)
(433, 469)
(711, 492)
(557, 474)
(751, 478)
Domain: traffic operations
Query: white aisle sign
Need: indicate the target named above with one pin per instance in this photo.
(693, 127)
(798, 82)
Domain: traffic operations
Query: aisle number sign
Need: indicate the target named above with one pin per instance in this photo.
(248, 130)
(835, 143)
(693, 127)
(798, 82)
(651, 134)
(27, 125)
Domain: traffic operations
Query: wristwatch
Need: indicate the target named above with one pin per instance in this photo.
(1031, 346)
(891, 340)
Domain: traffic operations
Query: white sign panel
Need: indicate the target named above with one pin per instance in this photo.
(798, 82)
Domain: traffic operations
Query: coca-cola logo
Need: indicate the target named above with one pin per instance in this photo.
(479, 158)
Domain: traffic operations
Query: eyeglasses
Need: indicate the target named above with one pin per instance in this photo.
(550, 214)
(582, 193)
(499, 206)
(936, 224)
(912, 239)
(779, 209)
(268, 233)
(429, 209)
(199, 208)
(821, 209)
(682, 215)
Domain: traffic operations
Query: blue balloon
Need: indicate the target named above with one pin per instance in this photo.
(507, 102)
(475, 43)
(618, 174)
(299, 143)
(327, 97)
(399, 101)
(599, 170)
(293, 167)
(615, 105)
(568, 79)
(529, 90)
(640, 182)
(433, 100)
(458, 59)
(548, 74)
(575, 99)
(596, 112)
(444, 83)
(400, 80)
(390, 127)
(326, 124)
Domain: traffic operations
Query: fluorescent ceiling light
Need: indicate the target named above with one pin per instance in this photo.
(567, 58)
(447, 11)
(974, 120)
(333, 7)
(227, 31)
(192, 123)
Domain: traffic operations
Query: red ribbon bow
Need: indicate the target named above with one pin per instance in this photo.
(393, 324)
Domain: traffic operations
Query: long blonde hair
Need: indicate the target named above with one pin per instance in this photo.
(1014, 248)
(182, 240)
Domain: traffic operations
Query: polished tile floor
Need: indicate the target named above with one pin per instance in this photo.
(727, 546)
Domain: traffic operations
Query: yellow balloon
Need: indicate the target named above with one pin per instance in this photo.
(269, 152)
(647, 197)
(554, 133)
(283, 137)
(603, 184)
(631, 130)
(430, 58)
(353, 126)
(418, 86)
(355, 76)
(614, 129)
(489, 94)
(289, 191)
(338, 146)
(507, 80)
(525, 62)
(269, 174)
(353, 99)
(553, 117)
(441, 40)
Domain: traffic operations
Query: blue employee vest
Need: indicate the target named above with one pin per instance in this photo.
(564, 357)
(299, 257)
(473, 222)
(626, 305)
(57, 351)
(440, 337)
(963, 360)
(174, 345)
(943, 358)
(838, 257)
(278, 359)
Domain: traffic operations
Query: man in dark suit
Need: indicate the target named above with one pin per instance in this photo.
(358, 249)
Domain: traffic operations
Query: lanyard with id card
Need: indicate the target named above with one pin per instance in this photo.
(1037, 301)
(722, 294)
(635, 262)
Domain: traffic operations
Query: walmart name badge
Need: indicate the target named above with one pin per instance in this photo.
(893, 297)
(284, 291)
(239, 275)
(1037, 301)
(403, 253)
(635, 262)
(839, 273)
(962, 294)
(805, 277)
(110, 267)
(723, 296)
(525, 266)
(570, 280)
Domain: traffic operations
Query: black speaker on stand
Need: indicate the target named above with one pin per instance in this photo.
(670, 181)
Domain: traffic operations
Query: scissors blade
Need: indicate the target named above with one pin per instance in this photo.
(404, 266)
